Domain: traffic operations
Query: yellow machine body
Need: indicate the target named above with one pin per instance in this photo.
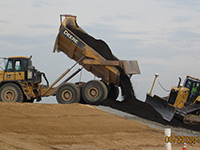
(20, 73)
(181, 98)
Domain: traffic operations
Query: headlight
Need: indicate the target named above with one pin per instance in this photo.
(30, 74)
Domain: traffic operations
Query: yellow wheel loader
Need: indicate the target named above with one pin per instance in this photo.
(183, 101)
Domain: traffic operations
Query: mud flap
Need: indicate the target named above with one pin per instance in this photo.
(161, 106)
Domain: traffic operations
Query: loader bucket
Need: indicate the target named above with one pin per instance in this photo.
(161, 106)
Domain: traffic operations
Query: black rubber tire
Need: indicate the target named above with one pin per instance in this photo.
(113, 92)
(68, 93)
(94, 92)
(11, 92)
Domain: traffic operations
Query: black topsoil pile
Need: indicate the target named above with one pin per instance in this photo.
(130, 104)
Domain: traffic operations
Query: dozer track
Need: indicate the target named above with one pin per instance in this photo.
(191, 119)
(190, 114)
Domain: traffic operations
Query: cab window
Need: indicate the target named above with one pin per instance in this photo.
(10, 65)
(188, 84)
(194, 87)
(18, 66)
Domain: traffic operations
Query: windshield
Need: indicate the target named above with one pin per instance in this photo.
(194, 86)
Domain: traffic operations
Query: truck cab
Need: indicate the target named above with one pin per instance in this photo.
(20, 69)
(19, 80)
(187, 94)
(193, 84)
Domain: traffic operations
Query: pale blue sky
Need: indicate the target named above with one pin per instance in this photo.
(163, 35)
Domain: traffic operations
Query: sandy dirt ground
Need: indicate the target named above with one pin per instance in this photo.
(74, 127)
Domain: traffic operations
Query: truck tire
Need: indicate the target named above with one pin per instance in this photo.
(11, 92)
(68, 93)
(113, 91)
(94, 92)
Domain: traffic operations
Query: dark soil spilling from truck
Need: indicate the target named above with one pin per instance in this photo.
(103, 49)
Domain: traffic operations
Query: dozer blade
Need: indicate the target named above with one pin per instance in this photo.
(161, 106)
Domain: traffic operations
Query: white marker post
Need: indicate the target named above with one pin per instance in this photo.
(168, 134)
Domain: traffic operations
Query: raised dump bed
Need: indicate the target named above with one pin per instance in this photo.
(94, 55)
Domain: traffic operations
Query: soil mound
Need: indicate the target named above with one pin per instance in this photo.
(26, 126)
(72, 127)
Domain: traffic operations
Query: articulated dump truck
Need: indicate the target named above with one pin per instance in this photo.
(21, 82)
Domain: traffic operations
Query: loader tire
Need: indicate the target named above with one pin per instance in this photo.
(68, 93)
(11, 92)
(113, 91)
(94, 92)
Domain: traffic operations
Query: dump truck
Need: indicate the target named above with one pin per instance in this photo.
(182, 102)
(20, 81)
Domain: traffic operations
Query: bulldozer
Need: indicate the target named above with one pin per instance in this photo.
(182, 102)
